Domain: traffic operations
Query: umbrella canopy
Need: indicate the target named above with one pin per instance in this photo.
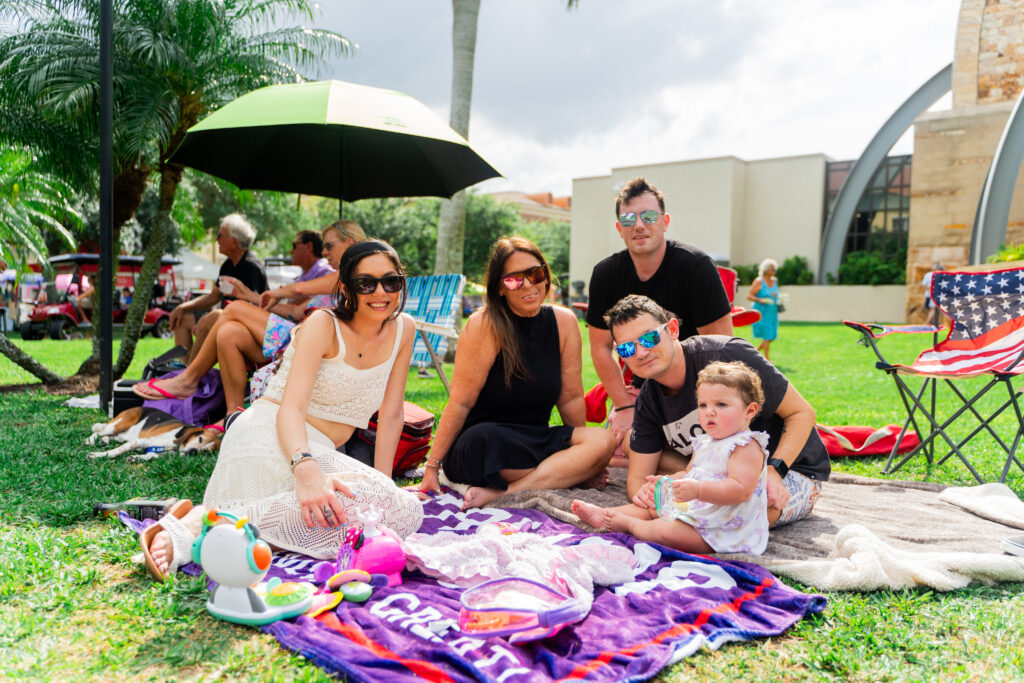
(333, 139)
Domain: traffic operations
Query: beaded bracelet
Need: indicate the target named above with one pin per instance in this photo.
(433, 464)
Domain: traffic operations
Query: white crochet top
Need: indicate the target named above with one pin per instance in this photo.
(341, 393)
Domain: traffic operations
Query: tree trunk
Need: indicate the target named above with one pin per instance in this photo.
(27, 362)
(129, 185)
(170, 177)
(451, 227)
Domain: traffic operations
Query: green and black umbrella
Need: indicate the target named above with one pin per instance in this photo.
(333, 139)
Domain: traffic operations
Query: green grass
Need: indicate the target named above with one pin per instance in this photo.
(73, 606)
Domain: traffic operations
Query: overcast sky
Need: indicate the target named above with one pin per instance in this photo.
(560, 94)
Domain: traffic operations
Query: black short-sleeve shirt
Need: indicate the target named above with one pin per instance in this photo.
(686, 284)
(249, 271)
(661, 421)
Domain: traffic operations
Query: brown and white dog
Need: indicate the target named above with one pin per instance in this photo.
(142, 428)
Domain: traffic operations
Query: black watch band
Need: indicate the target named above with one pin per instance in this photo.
(301, 457)
(780, 466)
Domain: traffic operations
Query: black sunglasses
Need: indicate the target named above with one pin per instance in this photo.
(365, 284)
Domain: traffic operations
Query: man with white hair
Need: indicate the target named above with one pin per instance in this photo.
(234, 238)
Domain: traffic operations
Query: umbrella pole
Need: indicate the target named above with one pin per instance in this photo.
(343, 179)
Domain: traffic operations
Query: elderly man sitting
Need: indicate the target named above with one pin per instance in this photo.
(234, 238)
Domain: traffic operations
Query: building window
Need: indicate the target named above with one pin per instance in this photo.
(882, 220)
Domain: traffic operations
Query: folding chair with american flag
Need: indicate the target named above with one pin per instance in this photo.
(986, 338)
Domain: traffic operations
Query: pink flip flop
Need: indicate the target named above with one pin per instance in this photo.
(159, 395)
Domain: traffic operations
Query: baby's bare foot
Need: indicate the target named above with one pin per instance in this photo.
(591, 514)
(479, 496)
(616, 521)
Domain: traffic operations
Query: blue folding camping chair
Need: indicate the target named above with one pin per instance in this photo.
(434, 301)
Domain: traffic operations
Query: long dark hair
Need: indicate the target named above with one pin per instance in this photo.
(345, 308)
(497, 307)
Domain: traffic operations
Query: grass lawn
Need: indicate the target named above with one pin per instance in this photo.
(73, 606)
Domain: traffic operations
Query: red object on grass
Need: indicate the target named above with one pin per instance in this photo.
(850, 440)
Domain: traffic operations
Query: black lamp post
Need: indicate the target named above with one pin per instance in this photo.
(105, 274)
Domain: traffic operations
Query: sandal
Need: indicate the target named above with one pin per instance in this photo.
(181, 540)
(155, 393)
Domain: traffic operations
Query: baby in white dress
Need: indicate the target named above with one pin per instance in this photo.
(720, 501)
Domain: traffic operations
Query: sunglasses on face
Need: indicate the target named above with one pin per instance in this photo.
(330, 245)
(514, 281)
(365, 284)
(648, 340)
(628, 220)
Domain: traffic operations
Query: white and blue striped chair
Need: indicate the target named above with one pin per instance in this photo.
(434, 301)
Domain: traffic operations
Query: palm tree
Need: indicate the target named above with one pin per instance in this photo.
(451, 227)
(30, 202)
(174, 62)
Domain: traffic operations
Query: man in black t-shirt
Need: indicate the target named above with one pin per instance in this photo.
(665, 421)
(679, 277)
(234, 238)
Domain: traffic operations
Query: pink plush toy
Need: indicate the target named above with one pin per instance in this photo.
(380, 552)
(375, 550)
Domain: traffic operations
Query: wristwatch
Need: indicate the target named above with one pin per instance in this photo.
(301, 456)
(780, 466)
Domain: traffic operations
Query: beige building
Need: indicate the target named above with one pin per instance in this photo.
(738, 211)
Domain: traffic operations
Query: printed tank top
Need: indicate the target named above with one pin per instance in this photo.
(341, 393)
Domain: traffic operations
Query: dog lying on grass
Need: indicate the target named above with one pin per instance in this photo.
(142, 428)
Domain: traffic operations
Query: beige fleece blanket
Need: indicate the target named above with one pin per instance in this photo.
(865, 534)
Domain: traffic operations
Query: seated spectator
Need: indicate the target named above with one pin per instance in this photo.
(247, 333)
(666, 422)
(517, 358)
(234, 238)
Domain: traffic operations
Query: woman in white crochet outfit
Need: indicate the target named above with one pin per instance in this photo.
(278, 464)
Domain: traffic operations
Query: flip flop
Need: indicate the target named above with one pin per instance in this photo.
(181, 540)
(158, 395)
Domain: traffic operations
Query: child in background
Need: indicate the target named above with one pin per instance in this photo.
(724, 485)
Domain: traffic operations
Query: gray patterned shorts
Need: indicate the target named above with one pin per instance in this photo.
(803, 494)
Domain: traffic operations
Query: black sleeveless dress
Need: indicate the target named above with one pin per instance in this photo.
(508, 428)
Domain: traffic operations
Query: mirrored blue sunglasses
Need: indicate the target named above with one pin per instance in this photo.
(648, 340)
(649, 217)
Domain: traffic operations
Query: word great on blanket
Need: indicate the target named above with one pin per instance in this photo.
(676, 604)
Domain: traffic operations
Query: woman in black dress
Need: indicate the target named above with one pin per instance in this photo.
(517, 358)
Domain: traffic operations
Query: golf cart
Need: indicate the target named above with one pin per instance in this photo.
(56, 310)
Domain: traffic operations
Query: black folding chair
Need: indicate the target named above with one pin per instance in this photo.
(985, 339)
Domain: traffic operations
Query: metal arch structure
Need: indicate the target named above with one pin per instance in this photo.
(856, 182)
(994, 207)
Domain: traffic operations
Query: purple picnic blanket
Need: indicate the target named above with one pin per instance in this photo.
(676, 604)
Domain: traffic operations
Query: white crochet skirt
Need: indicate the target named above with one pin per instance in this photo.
(252, 478)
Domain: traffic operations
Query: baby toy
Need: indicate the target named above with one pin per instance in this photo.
(664, 503)
(373, 550)
(235, 558)
(522, 609)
